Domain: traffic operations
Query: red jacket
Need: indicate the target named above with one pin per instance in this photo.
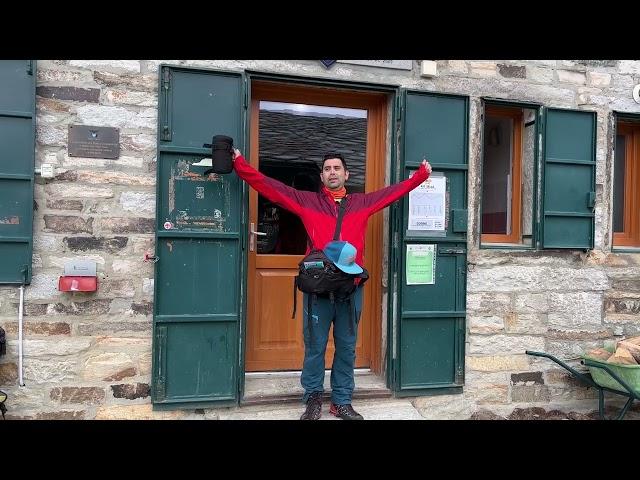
(319, 212)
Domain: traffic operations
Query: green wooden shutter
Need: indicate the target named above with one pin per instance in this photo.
(569, 179)
(429, 354)
(17, 152)
(199, 272)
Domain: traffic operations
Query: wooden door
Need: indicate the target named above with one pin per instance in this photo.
(291, 127)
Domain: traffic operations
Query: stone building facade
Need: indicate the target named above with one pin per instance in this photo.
(88, 356)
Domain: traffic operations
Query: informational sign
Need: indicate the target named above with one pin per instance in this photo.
(427, 205)
(395, 64)
(421, 264)
(93, 142)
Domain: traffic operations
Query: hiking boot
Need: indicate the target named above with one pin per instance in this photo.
(314, 407)
(345, 412)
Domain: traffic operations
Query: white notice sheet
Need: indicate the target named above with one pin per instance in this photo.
(427, 205)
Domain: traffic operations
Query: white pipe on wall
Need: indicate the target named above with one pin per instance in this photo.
(20, 311)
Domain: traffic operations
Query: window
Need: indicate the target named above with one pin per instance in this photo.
(531, 199)
(626, 182)
(507, 175)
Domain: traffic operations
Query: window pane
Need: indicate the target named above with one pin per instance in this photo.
(496, 175)
(618, 184)
(293, 138)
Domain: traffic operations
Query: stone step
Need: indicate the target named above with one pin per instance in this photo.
(370, 409)
(282, 387)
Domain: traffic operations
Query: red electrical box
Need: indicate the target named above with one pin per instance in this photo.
(77, 284)
(79, 276)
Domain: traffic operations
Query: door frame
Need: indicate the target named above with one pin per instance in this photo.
(386, 96)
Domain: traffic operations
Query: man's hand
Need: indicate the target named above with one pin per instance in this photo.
(427, 165)
(236, 153)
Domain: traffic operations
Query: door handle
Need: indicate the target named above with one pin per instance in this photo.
(252, 236)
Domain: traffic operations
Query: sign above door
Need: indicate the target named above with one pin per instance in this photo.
(395, 64)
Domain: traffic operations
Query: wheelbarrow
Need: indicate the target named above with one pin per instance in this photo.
(623, 380)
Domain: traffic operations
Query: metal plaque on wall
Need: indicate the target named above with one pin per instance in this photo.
(94, 142)
(395, 64)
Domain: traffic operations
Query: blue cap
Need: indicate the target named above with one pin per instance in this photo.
(343, 255)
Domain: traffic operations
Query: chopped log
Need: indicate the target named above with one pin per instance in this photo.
(599, 354)
(622, 357)
(632, 347)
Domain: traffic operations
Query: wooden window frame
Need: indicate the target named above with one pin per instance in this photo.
(515, 237)
(630, 236)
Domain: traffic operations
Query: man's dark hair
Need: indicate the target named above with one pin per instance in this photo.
(334, 155)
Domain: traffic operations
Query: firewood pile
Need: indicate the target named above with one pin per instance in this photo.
(627, 352)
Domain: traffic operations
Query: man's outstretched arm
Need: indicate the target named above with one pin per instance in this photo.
(379, 199)
(285, 196)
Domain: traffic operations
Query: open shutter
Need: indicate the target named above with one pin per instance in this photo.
(431, 317)
(569, 179)
(17, 152)
(199, 271)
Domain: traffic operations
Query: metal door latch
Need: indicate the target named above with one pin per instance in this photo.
(455, 251)
(148, 257)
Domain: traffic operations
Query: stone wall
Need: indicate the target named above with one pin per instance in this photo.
(89, 355)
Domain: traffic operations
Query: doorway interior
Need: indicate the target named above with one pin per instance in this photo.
(292, 126)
